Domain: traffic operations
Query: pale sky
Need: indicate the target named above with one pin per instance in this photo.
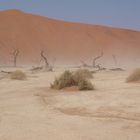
(116, 13)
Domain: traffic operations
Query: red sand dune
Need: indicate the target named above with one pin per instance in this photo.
(66, 42)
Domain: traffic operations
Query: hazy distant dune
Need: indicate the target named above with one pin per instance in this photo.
(67, 42)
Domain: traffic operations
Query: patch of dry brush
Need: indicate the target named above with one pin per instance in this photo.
(80, 78)
(18, 75)
(134, 77)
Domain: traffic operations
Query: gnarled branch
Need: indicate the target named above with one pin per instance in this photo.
(96, 58)
(44, 58)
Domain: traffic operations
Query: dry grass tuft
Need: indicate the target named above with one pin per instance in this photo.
(134, 77)
(69, 79)
(18, 75)
(85, 85)
(65, 80)
(84, 73)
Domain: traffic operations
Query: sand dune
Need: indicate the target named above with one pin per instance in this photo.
(66, 42)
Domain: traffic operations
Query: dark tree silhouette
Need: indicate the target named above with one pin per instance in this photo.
(44, 58)
(114, 59)
(15, 55)
(95, 59)
(48, 67)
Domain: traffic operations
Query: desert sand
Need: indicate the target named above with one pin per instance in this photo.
(29, 110)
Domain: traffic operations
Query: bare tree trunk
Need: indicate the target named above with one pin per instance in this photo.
(44, 58)
(114, 59)
(15, 55)
(96, 58)
(48, 67)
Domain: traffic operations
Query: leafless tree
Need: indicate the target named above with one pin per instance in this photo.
(95, 59)
(114, 59)
(47, 65)
(15, 55)
(44, 58)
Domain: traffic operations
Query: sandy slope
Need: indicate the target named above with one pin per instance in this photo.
(66, 42)
(30, 111)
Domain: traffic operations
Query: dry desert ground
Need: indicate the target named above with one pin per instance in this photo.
(29, 110)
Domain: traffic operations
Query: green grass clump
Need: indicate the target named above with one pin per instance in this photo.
(18, 75)
(134, 77)
(68, 79)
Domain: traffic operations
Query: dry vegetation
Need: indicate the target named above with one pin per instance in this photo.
(85, 84)
(134, 77)
(18, 75)
(84, 73)
(80, 78)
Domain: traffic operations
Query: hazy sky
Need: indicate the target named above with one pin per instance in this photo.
(117, 13)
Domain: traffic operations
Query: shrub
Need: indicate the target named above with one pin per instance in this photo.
(85, 85)
(18, 75)
(68, 79)
(134, 77)
(65, 80)
(85, 73)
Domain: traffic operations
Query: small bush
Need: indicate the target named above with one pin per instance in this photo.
(85, 85)
(134, 77)
(85, 73)
(18, 75)
(68, 79)
(65, 80)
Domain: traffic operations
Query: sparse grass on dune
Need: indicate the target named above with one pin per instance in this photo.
(134, 77)
(69, 79)
(18, 75)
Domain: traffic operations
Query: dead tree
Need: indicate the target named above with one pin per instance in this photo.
(7, 72)
(47, 65)
(44, 58)
(15, 55)
(95, 59)
(114, 59)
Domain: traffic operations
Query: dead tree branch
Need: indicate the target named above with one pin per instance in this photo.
(15, 55)
(48, 67)
(44, 58)
(114, 59)
(7, 72)
(96, 58)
